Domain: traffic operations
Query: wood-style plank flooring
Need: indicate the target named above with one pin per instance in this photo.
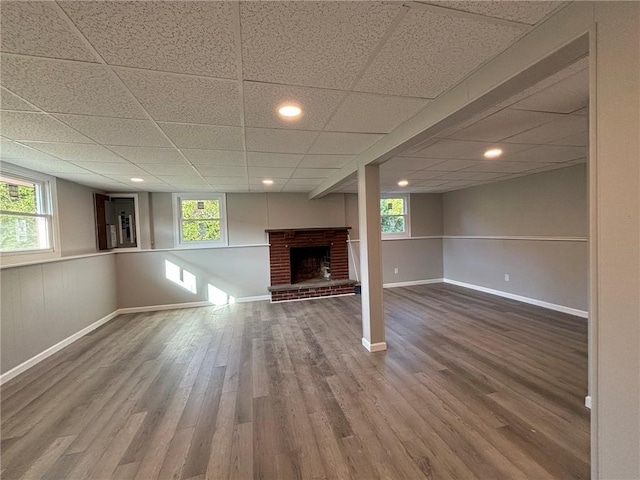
(472, 386)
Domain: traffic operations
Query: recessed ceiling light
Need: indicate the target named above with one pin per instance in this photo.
(493, 153)
(290, 111)
(267, 181)
(403, 183)
(137, 179)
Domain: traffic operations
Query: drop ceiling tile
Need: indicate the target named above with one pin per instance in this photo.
(279, 140)
(577, 140)
(36, 28)
(502, 166)
(504, 124)
(566, 96)
(529, 12)
(313, 172)
(305, 182)
(430, 52)
(88, 178)
(150, 155)
(225, 171)
(583, 111)
(186, 37)
(51, 167)
(398, 174)
(369, 113)
(452, 165)
(9, 101)
(38, 127)
(184, 98)
(262, 172)
(476, 176)
(334, 143)
(318, 44)
(61, 86)
(126, 179)
(16, 151)
(448, 133)
(210, 137)
(429, 183)
(164, 169)
(182, 180)
(117, 131)
(231, 188)
(548, 154)
(262, 101)
(114, 168)
(78, 152)
(325, 161)
(449, 149)
(265, 188)
(300, 189)
(257, 182)
(406, 163)
(214, 157)
(552, 131)
(423, 175)
(260, 159)
(227, 180)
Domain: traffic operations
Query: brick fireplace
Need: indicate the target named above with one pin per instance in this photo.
(309, 263)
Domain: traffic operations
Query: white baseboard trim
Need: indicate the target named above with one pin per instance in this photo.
(520, 298)
(587, 401)
(258, 298)
(412, 283)
(169, 306)
(313, 298)
(374, 347)
(14, 372)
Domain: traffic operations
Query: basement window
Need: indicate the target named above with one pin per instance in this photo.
(200, 220)
(26, 212)
(394, 216)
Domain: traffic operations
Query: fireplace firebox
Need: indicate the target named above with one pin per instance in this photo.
(310, 264)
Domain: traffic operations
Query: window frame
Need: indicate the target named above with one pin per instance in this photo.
(177, 220)
(47, 201)
(406, 215)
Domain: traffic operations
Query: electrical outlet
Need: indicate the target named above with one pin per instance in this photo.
(506, 277)
(395, 270)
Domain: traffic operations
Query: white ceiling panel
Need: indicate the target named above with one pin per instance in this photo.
(577, 140)
(9, 101)
(262, 172)
(335, 143)
(504, 124)
(279, 140)
(369, 113)
(89, 178)
(164, 169)
(313, 172)
(452, 165)
(61, 86)
(117, 131)
(38, 127)
(325, 161)
(446, 149)
(260, 159)
(429, 52)
(529, 12)
(208, 137)
(501, 166)
(145, 155)
(184, 98)
(187, 37)
(552, 131)
(114, 168)
(317, 44)
(52, 167)
(548, 153)
(406, 163)
(36, 28)
(227, 180)
(225, 171)
(475, 176)
(214, 157)
(304, 182)
(262, 101)
(126, 179)
(78, 152)
(16, 151)
(184, 179)
(566, 96)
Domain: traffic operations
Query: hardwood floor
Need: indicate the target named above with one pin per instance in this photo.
(472, 386)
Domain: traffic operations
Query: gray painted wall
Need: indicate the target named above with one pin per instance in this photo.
(76, 218)
(45, 303)
(549, 204)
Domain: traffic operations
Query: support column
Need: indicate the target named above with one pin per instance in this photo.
(373, 337)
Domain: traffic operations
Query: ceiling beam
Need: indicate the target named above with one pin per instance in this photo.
(547, 49)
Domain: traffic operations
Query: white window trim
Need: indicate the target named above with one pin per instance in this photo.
(407, 216)
(177, 234)
(136, 209)
(50, 200)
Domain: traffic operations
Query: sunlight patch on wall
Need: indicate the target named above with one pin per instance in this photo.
(177, 275)
(219, 297)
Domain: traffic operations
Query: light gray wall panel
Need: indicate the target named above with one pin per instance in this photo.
(44, 304)
(554, 272)
(162, 220)
(550, 203)
(145, 220)
(295, 210)
(247, 218)
(240, 272)
(76, 217)
(417, 259)
(425, 210)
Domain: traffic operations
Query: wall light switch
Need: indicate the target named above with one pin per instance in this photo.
(506, 277)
